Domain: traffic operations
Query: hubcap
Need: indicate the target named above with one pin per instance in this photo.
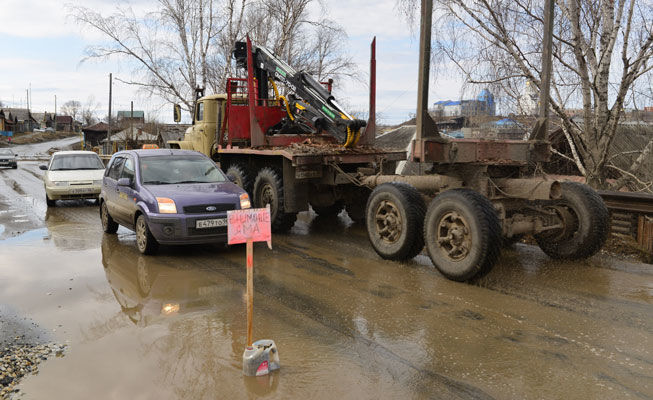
(454, 236)
(388, 221)
(141, 236)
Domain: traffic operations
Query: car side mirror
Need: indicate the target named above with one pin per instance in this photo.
(124, 182)
(16, 155)
(43, 167)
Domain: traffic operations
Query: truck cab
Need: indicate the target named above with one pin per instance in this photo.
(207, 121)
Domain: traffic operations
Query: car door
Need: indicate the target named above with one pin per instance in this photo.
(111, 185)
(126, 194)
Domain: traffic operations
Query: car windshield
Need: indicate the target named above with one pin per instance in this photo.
(65, 162)
(6, 152)
(170, 170)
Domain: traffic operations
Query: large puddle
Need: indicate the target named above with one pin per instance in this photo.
(347, 324)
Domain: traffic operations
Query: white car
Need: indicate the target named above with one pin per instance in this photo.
(72, 175)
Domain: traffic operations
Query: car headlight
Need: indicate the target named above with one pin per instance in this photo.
(60, 183)
(97, 182)
(166, 205)
(244, 201)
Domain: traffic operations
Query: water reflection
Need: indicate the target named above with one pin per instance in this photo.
(74, 228)
(147, 289)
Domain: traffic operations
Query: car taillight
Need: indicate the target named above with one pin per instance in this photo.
(166, 205)
(244, 201)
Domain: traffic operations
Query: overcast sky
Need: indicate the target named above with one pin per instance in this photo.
(43, 47)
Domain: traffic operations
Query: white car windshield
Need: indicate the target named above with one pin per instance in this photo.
(66, 162)
(170, 170)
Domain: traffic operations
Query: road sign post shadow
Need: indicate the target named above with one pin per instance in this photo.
(249, 226)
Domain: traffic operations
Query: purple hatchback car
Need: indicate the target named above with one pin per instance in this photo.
(168, 197)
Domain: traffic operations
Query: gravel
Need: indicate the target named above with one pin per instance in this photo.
(22, 359)
(23, 346)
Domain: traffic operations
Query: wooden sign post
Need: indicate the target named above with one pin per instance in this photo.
(249, 226)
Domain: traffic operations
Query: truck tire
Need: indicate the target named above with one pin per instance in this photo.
(586, 221)
(238, 175)
(268, 189)
(329, 211)
(356, 211)
(395, 216)
(463, 234)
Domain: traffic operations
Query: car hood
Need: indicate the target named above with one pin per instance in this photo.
(75, 175)
(198, 193)
(7, 157)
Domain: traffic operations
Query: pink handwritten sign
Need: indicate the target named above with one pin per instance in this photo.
(251, 224)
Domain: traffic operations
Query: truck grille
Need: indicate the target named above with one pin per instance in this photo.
(201, 209)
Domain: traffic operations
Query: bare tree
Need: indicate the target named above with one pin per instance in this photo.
(601, 49)
(185, 44)
(88, 111)
(72, 108)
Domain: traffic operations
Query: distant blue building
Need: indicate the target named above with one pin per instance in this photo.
(483, 105)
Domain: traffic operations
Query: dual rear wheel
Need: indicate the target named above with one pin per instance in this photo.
(459, 228)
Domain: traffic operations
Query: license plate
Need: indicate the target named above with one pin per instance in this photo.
(210, 223)
(81, 191)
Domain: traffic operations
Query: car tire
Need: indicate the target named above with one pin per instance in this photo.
(108, 224)
(268, 189)
(50, 203)
(395, 217)
(145, 242)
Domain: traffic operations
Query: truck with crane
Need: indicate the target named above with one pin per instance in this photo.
(475, 195)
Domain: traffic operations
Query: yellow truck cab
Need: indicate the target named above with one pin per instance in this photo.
(203, 134)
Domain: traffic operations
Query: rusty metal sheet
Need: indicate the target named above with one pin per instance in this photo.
(505, 152)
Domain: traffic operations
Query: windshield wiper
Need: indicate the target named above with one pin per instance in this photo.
(175, 183)
(156, 183)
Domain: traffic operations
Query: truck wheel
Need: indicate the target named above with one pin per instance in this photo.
(108, 224)
(586, 224)
(329, 211)
(356, 211)
(463, 234)
(268, 189)
(236, 173)
(395, 216)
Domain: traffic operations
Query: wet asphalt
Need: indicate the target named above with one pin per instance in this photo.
(347, 324)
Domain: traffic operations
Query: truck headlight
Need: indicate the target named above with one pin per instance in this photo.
(166, 205)
(244, 201)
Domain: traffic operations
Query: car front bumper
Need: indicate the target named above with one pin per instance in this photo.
(73, 192)
(181, 228)
(8, 163)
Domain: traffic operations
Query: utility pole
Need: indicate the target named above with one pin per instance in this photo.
(131, 124)
(54, 119)
(109, 147)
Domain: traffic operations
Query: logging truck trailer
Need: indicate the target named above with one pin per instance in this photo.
(473, 197)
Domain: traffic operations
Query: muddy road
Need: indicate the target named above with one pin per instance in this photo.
(347, 324)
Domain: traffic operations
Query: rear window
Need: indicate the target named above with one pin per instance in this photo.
(64, 162)
(170, 170)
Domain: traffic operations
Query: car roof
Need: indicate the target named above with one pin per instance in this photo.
(67, 152)
(160, 152)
